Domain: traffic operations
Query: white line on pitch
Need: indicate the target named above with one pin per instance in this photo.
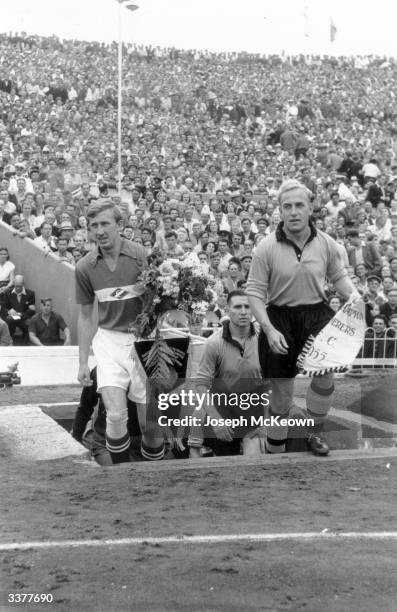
(205, 539)
(53, 404)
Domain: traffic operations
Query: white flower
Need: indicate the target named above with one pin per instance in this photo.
(200, 307)
(167, 269)
(191, 261)
(170, 287)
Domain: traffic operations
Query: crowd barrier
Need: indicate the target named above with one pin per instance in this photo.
(378, 351)
(39, 270)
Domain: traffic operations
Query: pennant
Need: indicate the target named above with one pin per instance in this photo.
(335, 348)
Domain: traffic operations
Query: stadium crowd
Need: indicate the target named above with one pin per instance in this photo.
(207, 140)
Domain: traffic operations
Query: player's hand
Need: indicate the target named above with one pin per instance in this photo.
(83, 376)
(277, 342)
(222, 432)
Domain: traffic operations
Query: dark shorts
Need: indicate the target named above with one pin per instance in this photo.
(296, 323)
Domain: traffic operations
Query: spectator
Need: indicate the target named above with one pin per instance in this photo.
(225, 255)
(335, 206)
(46, 326)
(393, 324)
(5, 337)
(334, 303)
(389, 308)
(46, 240)
(18, 308)
(67, 231)
(233, 275)
(4, 216)
(62, 254)
(360, 253)
(376, 343)
(7, 272)
(361, 274)
(173, 249)
(374, 295)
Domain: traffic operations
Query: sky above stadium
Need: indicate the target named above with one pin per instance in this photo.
(259, 26)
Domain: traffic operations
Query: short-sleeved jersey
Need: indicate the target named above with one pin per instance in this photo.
(118, 296)
(47, 333)
(283, 275)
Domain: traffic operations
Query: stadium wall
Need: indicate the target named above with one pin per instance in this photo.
(44, 275)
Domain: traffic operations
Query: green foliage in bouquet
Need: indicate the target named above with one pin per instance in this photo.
(160, 361)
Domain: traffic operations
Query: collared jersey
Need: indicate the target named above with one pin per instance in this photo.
(226, 359)
(283, 275)
(119, 300)
(47, 333)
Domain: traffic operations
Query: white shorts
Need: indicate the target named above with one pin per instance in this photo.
(118, 364)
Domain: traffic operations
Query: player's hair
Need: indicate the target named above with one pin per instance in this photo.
(98, 207)
(291, 184)
(235, 293)
(45, 300)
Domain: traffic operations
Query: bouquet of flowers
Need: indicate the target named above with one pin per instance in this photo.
(173, 284)
(170, 285)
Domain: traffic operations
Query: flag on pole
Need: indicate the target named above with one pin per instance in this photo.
(306, 19)
(332, 30)
(128, 4)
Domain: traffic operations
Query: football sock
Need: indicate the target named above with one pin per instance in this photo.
(119, 448)
(318, 402)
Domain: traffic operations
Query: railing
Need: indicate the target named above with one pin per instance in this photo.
(378, 351)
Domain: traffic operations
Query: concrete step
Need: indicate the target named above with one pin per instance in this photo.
(30, 435)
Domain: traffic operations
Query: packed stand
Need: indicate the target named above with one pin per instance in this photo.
(207, 139)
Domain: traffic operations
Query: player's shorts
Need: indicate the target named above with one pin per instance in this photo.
(296, 323)
(118, 364)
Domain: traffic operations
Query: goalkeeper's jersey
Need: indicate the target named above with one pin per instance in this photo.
(284, 275)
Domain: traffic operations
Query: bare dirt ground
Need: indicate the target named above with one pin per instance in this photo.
(51, 501)
(61, 500)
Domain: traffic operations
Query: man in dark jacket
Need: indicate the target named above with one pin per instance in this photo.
(366, 254)
(18, 308)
